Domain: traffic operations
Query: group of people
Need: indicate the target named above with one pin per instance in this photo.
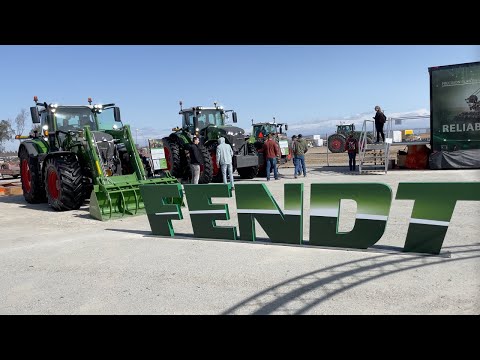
(271, 151)
(224, 156)
(299, 149)
(351, 145)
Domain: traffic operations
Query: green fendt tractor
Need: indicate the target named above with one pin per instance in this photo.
(208, 123)
(259, 135)
(83, 151)
(336, 142)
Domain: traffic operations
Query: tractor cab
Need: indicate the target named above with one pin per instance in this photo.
(198, 120)
(260, 131)
(345, 129)
(60, 123)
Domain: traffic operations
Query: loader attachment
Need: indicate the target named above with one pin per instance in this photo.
(118, 196)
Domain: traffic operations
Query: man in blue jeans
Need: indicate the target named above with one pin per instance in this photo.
(300, 149)
(224, 160)
(271, 151)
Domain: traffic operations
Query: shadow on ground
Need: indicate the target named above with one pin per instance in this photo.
(300, 294)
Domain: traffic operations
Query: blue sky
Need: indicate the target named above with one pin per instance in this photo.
(309, 87)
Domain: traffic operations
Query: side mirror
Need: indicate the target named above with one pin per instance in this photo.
(116, 113)
(34, 115)
(286, 127)
(234, 116)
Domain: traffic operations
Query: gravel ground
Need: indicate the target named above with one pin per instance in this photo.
(68, 263)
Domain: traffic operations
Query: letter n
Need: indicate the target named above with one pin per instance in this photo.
(254, 202)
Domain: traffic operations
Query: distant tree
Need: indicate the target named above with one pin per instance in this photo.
(6, 132)
(20, 121)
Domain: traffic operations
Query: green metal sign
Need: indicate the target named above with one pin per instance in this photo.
(455, 108)
(430, 218)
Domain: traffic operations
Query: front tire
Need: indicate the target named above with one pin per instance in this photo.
(30, 174)
(64, 183)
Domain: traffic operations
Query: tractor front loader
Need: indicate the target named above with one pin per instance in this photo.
(80, 152)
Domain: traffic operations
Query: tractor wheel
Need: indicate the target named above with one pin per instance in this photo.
(64, 183)
(336, 143)
(32, 184)
(172, 155)
(216, 170)
(252, 171)
(206, 170)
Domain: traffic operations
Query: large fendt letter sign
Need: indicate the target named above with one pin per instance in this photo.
(431, 214)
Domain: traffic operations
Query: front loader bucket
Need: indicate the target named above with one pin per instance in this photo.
(119, 196)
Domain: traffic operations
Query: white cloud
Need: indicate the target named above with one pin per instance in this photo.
(327, 126)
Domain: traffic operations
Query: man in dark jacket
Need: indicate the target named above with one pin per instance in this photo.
(196, 159)
(271, 151)
(351, 145)
(380, 120)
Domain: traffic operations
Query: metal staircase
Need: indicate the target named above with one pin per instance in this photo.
(373, 157)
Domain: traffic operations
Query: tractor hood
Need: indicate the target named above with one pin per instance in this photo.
(231, 130)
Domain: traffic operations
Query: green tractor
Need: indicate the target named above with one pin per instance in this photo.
(208, 124)
(259, 135)
(80, 152)
(336, 142)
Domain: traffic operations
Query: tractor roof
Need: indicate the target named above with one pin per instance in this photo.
(191, 109)
(267, 123)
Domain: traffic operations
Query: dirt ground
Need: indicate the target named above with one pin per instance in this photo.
(320, 156)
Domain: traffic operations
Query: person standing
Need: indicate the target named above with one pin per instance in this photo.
(271, 151)
(301, 150)
(380, 120)
(351, 145)
(196, 159)
(224, 160)
(294, 152)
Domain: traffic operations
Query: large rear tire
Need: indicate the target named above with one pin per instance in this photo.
(206, 170)
(216, 170)
(336, 143)
(31, 175)
(172, 155)
(64, 183)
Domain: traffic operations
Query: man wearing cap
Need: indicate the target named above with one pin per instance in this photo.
(299, 153)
